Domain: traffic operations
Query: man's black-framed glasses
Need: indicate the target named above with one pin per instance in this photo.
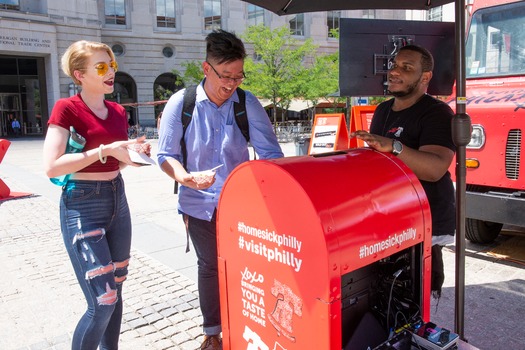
(226, 80)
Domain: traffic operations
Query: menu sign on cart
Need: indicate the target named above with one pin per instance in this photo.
(329, 133)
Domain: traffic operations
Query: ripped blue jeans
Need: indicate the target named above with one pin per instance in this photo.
(96, 228)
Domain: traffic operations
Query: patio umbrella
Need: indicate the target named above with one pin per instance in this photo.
(461, 125)
(288, 7)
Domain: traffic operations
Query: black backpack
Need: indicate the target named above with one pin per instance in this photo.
(190, 95)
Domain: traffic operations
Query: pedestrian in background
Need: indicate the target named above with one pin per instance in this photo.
(417, 128)
(94, 214)
(16, 127)
(158, 121)
(212, 139)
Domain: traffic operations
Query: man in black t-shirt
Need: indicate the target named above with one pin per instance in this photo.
(417, 129)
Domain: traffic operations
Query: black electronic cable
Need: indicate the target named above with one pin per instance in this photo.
(396, 275)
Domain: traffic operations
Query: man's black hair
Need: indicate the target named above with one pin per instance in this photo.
(224, 47)
(427, 61)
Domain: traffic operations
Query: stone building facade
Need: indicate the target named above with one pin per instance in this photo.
(150, 38)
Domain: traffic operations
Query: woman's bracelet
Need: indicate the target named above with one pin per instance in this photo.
(103, 160)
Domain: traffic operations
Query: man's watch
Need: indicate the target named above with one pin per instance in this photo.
(397, 147)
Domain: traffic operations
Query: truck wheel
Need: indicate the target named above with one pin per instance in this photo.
(478, 231)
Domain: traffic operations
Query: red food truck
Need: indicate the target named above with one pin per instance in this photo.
(495, 72)
(495, 100)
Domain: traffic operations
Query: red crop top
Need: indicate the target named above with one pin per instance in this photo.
(74, 112)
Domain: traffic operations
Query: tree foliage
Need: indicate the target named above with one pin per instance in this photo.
(322, 79)
(283, 68)
(192, 75)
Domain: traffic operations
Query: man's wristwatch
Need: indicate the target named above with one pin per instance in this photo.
(397, 147)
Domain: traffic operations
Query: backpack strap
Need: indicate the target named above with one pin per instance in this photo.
(188, 105)
(241, 117)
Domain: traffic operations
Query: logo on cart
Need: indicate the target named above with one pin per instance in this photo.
(393, 241)
(274, 246)
(254, 340)
(253, 297)
(286, 306)
(251, 277)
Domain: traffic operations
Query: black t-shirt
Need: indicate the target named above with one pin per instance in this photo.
(427, 122)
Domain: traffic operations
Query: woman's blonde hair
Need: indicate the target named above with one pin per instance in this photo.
(77, 55)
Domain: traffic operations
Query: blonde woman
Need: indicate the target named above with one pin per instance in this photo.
(94, 214)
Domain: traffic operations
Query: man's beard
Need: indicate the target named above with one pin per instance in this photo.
(409, 90)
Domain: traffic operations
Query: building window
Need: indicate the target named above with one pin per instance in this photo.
(297, 24)
(164, 86)
(10, 5)
(436, 14)
(369, 14)
(212, 14)
(332, 21)
(257, 57)
(255, 15)
(117, 49)
(115, 12)
(166, 14)
(167, 51)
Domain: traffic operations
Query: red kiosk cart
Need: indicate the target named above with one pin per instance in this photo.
(322, 252)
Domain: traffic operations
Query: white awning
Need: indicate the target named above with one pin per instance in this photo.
(296, 105)
(265, 102)
(299, 105)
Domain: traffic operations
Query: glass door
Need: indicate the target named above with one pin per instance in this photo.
(9, 110)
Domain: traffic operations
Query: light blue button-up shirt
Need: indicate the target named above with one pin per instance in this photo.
(213, 138)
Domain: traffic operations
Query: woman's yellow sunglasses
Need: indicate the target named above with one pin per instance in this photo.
(102, 67)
